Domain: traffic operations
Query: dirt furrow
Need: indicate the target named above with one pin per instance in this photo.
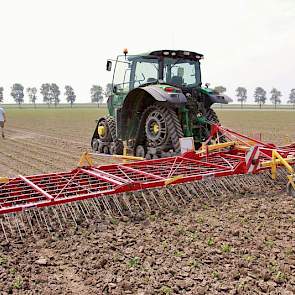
(41, 150)
(59, 137)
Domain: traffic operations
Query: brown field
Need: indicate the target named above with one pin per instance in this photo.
(228, 244)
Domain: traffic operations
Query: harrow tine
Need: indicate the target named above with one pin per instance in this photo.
(136, 200)
(117, 204)
(80, 209)
(4, 231)
(106, 206)
(127, 203)
(23, 224)
(29, 219)
(150, 192)
(17, 226)
(45, 220)
(72, 215)
(149, 208)
(188, 191)
(172, 197)
(9, 224)
(162, 196)
(37, 220)
(57, 217)
(177, 190)
(96, 208)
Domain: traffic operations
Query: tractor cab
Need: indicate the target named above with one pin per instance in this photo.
(176, 68)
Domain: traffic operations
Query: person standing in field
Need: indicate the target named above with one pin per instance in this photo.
(2, 120)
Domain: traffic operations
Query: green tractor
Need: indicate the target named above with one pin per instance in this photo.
(156, 99)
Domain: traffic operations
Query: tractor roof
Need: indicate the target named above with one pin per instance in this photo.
(173, 54)
(170, 53)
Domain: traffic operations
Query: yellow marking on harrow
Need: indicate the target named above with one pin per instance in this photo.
(4, 179)
(171, 180)
(128, 157)
(244, 146)
(86, 158)
(277, 159)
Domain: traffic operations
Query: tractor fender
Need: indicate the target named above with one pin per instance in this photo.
(137, 100)
(218, 98)
(160, 95)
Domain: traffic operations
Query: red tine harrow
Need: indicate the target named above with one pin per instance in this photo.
(127, 188)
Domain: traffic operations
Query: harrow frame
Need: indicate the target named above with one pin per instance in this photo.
(239, 155)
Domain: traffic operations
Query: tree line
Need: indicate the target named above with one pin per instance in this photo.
(50, 93)
(260, 95)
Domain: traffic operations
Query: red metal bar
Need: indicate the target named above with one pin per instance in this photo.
(36, 187)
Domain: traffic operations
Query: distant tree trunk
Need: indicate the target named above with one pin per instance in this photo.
(241, 104)
(275, 104)
(98, 104)
(260, 104)
(34, 104)
(19, 105)
(71, 104)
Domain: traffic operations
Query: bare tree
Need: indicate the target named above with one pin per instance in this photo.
(96, 92)
(70, 94)
(17, 92)
(1, 94)
(32, 91)
(241, 95)
(260, 96)
(275, 97)
(292, 97)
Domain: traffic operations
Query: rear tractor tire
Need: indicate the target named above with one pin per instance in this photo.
(162, 131)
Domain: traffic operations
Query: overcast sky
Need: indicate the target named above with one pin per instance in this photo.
(245, 43)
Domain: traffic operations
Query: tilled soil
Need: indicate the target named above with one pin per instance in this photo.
(234, 244)
(237, 245)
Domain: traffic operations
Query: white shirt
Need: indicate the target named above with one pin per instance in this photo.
(2, 112)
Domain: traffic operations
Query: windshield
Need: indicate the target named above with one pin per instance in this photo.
(182, 72)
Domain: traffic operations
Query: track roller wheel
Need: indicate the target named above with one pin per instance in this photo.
(117, 147)
(140, 151)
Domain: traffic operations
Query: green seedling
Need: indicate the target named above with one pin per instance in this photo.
(166, 290)
(17, 284)
(134, 261)
(226, 248)
(210, 242)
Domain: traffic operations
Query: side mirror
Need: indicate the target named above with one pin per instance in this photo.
(109, 65)
(115, 89)
(207, 85)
